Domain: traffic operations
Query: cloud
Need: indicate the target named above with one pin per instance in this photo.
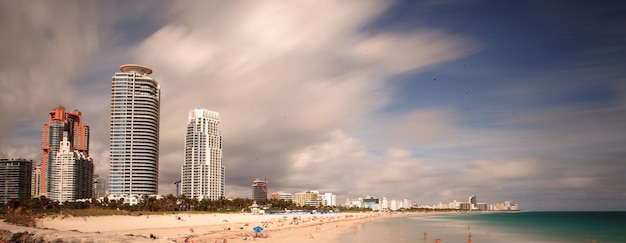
(425, 126)
(345, 166)
(282, 75)
(498, 170)
(309, 96)
(39, 55)
(395, 52)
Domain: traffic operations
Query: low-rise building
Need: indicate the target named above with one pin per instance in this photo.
(307, 198)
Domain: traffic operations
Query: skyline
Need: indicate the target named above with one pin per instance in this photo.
(425, 100)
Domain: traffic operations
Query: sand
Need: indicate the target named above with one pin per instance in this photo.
(203, 227)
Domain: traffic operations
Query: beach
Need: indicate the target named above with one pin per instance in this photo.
(195, 227)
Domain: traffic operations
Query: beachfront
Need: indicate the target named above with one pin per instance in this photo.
(198, 228)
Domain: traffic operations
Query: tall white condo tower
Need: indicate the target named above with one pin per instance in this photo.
(202, 174)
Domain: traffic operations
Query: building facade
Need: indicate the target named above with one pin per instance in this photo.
(72, 175)
(61, 123)
(35, 183)
(308, 198)
(282, 196)
(202, 173)
(330, 199)
(15, 179)
(472, 201)
(259, 190)
(99, 186)
(134, 132)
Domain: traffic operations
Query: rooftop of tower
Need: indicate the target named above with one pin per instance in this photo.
(135, 68)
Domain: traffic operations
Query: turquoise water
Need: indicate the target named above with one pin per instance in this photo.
(553, 227)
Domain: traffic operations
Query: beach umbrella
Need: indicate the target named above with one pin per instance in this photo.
(258, 229)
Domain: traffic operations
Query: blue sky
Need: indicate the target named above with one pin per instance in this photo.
(425, 100)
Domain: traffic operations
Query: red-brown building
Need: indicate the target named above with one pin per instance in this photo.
(61, 123)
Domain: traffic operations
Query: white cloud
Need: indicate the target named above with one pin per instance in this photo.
(39, 55)
(306, 94)
(343, 165)
(495, 170)
(282, 75)
(402, 52)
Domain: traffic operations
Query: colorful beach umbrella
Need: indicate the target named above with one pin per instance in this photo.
(258, 229)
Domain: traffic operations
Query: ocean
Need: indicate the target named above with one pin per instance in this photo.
(509, 227)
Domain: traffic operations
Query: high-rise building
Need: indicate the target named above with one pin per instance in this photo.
(202, 174)
(15, 179)
(35, 183)
(259, 190)
(61, 123)
(99, 186)
(72, 174)
(134, 132)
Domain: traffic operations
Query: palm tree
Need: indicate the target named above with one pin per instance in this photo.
(146, 203)
(169, 203)
(44, 201)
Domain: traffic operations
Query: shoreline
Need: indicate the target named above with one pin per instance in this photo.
(201, 227)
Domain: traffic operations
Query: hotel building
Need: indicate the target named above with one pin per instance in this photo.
(134, 132)
(61, 123)
(308, 198)
(202, 174)
(259, 190)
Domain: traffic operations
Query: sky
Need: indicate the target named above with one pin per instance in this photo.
(432, 101)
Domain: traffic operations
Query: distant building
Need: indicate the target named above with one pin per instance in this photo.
(465, 206)
(482, 206)
(406, 204)
(356, 203)
(99, 186)
(72, 174)
(202, 173)
(385, 204)
(307, 198)
(15, 179)
(285, 196)
(35, 183)
(369, 202)
(61, 123)
(282, 196)
(329, 199)
(394, 205)
(472, 201)
(259, 189)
